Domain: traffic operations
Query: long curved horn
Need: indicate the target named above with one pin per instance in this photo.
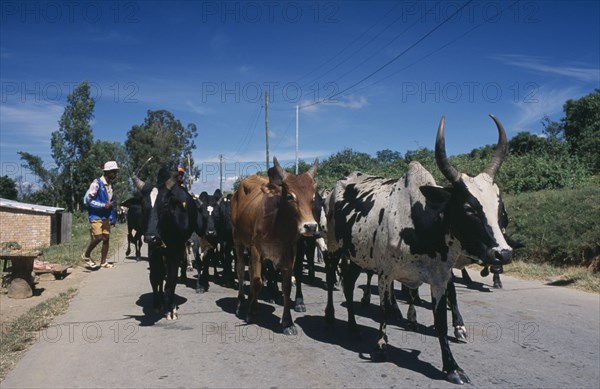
(139, 184)
(171, 182)
(500, 151)
(313, 169)
(440, 155)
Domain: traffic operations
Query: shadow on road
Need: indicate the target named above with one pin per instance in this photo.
(265, 317)
(150, 316)
(405, 358)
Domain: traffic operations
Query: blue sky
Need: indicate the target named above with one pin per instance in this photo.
(368, 75)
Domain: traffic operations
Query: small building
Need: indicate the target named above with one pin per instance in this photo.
(33, 226)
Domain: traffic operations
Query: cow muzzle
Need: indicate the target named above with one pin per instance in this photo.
(309, 229)
(153, 240)
(502, 257)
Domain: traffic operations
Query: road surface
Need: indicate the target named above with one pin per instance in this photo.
(526, 335)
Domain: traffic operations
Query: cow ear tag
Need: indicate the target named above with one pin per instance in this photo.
(183, 204)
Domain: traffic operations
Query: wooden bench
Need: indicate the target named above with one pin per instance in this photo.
(22, 268)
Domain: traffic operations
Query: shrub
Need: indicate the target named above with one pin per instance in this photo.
(561, 227)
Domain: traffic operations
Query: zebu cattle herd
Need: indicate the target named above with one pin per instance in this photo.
(410, 230)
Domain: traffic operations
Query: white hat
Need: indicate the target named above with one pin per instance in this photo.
(110, 165)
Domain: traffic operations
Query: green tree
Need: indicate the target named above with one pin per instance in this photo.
(49, 190)
(8, 188)
(581, 126)
(71, 143)
(163, 138)
(343, 163)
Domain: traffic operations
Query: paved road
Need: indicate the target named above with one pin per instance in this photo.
(526, 335)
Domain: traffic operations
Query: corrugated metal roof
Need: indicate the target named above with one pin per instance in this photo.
(29, 207)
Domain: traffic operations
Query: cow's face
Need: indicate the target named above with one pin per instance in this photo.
(297, 196)
(474, 209)
(479, 219)
(167, 210)
(209, 213)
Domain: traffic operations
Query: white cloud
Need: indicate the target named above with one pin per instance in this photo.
(36, 120)
(542, 65)
(199, 109)
(546, 101)
(343, 102)
(219, 40)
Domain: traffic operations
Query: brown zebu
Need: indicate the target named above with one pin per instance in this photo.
(268, 218)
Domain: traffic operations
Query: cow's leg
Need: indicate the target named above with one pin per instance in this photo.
(350, 273)
(256, 283)
(460, 331)
(240, 268)
(366, 298)
(411, 315)
(174, 259)
(453, 372)
(157, 277)
(271, 279)
(485, 271)
(299, 305)
(396, 313)
(385, 306)
(183, 269)
(130, 239)
(286, 318)
(465, 276)
(331, 264)
(227, 262)
(496, 270)
(203, 265)
(137, 241)
(310, 259)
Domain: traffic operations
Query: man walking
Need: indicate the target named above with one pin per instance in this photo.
(102, 214)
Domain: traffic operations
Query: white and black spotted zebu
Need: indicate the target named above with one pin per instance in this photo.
(413, 231)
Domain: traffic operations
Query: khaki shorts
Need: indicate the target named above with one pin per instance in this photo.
(100, 227)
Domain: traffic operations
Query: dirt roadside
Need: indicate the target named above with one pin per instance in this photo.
(46, 288)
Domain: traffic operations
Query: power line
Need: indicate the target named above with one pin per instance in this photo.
(349, 44)
(434, 51)
(364, 44)
(394, 59)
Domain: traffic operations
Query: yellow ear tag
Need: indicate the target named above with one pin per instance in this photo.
(183, 204)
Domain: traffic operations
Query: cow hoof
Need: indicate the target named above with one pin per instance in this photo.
(290, 331)
(299, 306)
(250, 318)
(201, 289)
(366, 300)
(458, 377)
(461, 334)
(379, 355)
(498, 285)
(127, 252)
(484, 272)
(171, 316)
(412, 325)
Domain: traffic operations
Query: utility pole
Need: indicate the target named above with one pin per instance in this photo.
(267, 124)
(221, 172)
(296, 139)
(190, 178)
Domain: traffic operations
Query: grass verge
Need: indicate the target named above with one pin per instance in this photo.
(575, 277)
(19, 334)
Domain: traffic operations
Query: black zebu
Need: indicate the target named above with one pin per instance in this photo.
(414, 231)
(208, 213)
(136, 221)
(306, 248)
(172, 217)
